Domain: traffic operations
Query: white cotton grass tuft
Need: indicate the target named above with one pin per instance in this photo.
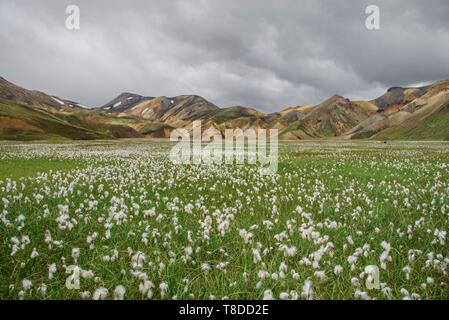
(385, 255)
(75, 254)
(387, 292)
(34, 254)
(338, 269)
(284, 296)
(268, 295)
(307, 291)
(163, 287)
(42, 289)
(119, 292)
(320, 275)
(361, 295)
(51, 270)
(26, 284)
(100, 294)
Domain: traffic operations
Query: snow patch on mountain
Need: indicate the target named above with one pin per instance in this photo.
(57, 100)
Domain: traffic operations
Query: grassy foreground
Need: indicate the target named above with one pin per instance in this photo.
(130, 224)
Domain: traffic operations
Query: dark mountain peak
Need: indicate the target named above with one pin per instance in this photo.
(395, 89)
(399, 96)
(123, 102)
(127, 95)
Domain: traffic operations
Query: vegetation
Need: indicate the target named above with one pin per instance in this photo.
(131, 224)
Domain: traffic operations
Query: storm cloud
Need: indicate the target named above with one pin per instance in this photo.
(258, 53)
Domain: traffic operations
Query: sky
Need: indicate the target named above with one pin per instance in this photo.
(259, 53)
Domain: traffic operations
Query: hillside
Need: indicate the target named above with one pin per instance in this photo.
(331, 118)
(401, 113)
(17, 94)
(175, 111)
(21, 122)
(425, 119)
(422, 115)
(123, 102)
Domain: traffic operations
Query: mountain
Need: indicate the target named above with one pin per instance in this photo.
(123, 102)
(14, 93)
(175, 111)
(22, 122)
(401, 113)
(331, 118)
(408, 114)
(30, 115)
(397, 97)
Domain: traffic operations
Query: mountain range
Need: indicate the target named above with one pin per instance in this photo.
(420, 113)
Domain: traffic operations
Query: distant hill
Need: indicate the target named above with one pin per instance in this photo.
(413, 114)
(401, 113)
(175, 111)
(331, 118)
(123, 102)
(14, 93)
(22, 122)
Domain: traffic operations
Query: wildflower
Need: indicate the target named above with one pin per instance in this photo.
(100, 294)
(355, 282)
(406, 270)
(205, 267)
(361, 295)
(26, 284)
(415, 296)
(256, 256)
(146, 287)
(387, 292)
(307, 291)
(338, 269)
(42, 289)
(385, 256)
(284, 296)
(262, 274)
(188, 251)
(51, 270)
(320, 275)
(163, 287)
(294, 295)
(34, 253)
(245, 235)
(119, 292)
(75, 254)
(405, 293)
(268, 295)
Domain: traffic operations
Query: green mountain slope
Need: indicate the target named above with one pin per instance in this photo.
(21, 122)
(432, 127)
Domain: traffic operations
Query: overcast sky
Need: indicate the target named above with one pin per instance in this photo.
(265, 54)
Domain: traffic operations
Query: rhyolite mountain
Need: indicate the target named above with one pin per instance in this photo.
(409, 114)
(174, 111)
(401, 113)
(11, 92)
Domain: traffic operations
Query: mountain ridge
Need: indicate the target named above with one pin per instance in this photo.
(401, 112)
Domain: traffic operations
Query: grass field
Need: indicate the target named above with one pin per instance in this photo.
(130, 224)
